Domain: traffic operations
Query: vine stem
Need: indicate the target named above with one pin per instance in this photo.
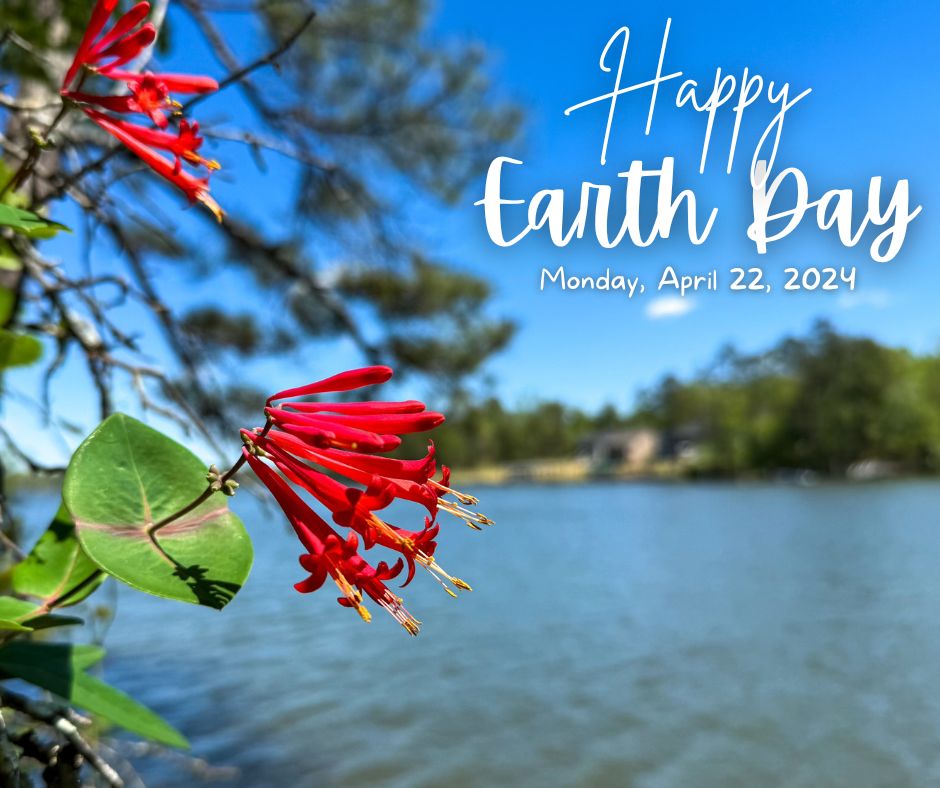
(56, 601)
(212, 488)
(39, 144)
(32, 156)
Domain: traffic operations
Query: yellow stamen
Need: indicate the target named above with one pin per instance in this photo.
(437, 572)
(195, 158)
(467, 500)
(383, 527)
(352, 594)
(393, 605)
(465, 514)
(212, 205)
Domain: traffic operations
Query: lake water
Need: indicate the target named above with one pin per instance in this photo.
(618, 635)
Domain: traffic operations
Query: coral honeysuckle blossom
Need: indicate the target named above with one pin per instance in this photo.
(319, 447)
(103, 52)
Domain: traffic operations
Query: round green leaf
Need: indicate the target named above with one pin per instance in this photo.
(124, 478)
(18, 350)
(57, 567)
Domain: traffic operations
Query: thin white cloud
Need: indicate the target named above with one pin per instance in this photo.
(876, 299)
(668, 306)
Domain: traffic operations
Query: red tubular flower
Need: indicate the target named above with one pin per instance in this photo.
(313, 444)
(150, 94)
(104, 52)
(356, 509)
(397, 423)
(195, 189)
(329, 555)
(121, 44)
(183, 145)
(167, 83)
(337, 436)
(418, 490)
(323, 431)
(344, 381)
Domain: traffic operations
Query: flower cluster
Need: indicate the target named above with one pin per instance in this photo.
(103, 51)
(321, 447)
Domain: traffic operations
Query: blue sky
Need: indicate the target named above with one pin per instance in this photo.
(873, 70)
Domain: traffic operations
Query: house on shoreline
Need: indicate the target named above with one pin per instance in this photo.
(625, 449)
(619, 453)
(639, 449)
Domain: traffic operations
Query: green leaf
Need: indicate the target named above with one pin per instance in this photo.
(18, 615)
(12, 608)
(7, 300)
(12, 626)
(11, 270)
(124, 478)
(8, 259)
(82, 656)
(10, 611)
(18, 350)
(57, 566)
(59, 668)
(50, 620)
(28, 223)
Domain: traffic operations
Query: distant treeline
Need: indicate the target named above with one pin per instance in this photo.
(821, 402)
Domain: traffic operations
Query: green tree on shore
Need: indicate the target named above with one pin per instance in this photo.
(819, 402)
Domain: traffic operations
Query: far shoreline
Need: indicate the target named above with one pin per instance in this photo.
(574, 473)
